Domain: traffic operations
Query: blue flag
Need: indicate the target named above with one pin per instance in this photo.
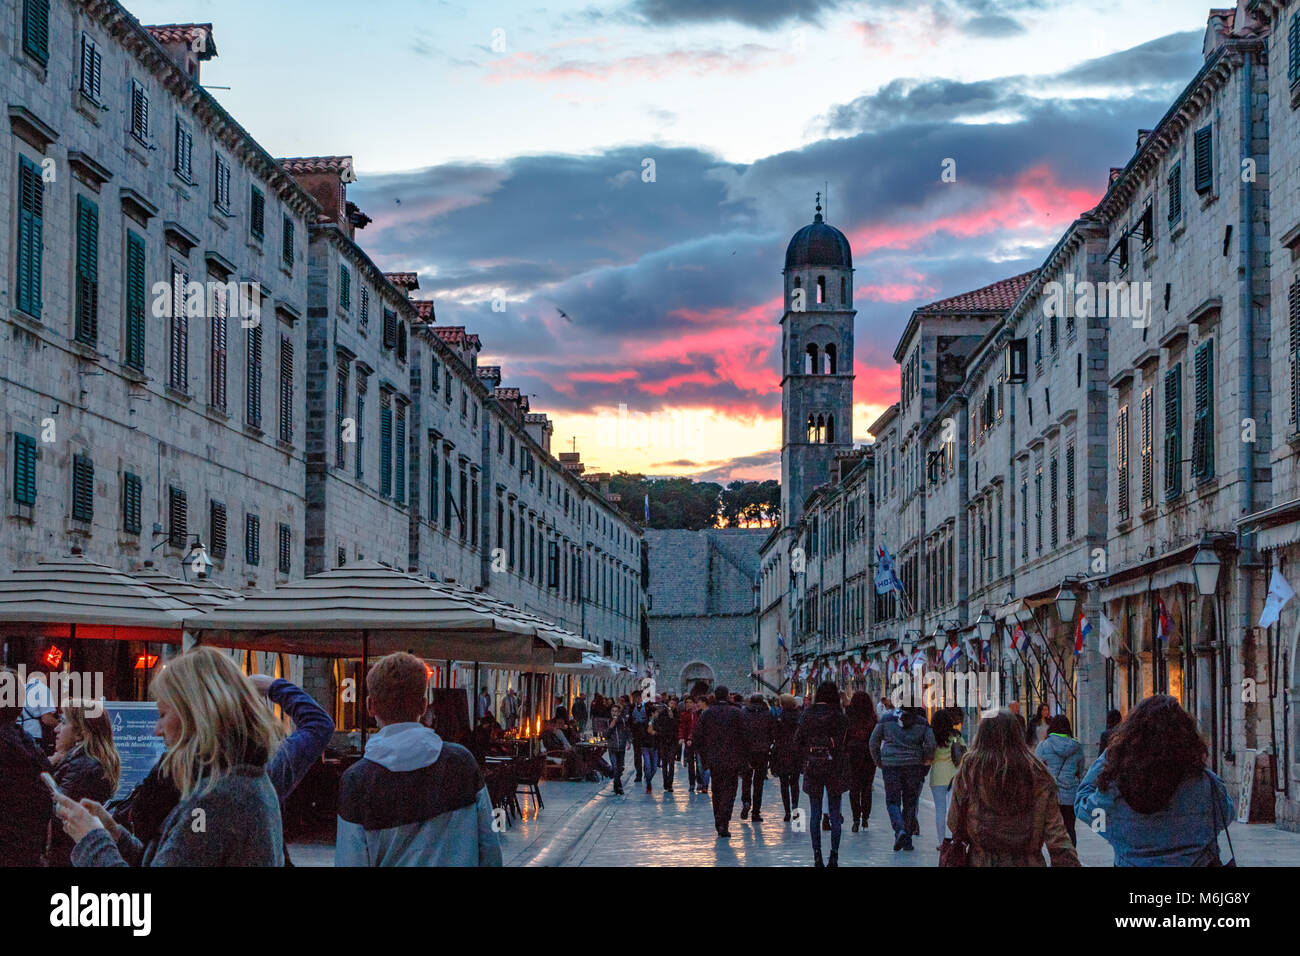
(886, 578)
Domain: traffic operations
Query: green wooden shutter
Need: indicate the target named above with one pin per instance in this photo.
(1204, 159)
(401, 455)
(217, 531)
(286, 389)
(1174, 431)
(24, 469)
(386, 450)
(31, 205)
(257, 219)
(1293, 50)
(252, 539)
(1203, 437)
(1176, 192)
(345, 288)
(36, 30)
(135, 301)
(83, 488)
(1295, 348)
(253, 385)
(131, 503)
(177, 517)
(87, 320)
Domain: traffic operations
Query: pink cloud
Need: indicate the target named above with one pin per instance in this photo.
(622, 375)
(528, 66)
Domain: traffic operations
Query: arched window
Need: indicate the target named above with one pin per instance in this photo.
(811, 366)
(830, 360)
(844, 291)
(812, 430)
(798, 282)
(821, 290)
(830, 429)
(821, 429)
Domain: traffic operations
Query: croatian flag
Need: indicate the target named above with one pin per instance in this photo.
(780, 641)
(886, 578)
(1081, 632)
(951, 653)
(1107, 643)
(1166, 624)
(1279, 593)
(1017, 636)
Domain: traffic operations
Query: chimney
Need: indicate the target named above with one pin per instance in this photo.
(187, 44)
(326, 178)
(539, 428)
(571, 461)
(1218, 30)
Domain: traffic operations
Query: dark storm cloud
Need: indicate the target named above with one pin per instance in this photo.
(1175, 58)
(763, 14)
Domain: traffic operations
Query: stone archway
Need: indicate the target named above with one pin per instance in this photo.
(693, 673)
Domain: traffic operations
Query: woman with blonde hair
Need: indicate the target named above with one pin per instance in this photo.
(1004, 801)
(86, 764)
(220, 735)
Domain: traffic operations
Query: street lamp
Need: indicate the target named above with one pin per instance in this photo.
(1205, 565)
(1066, 602)
(984, 624)
(197, 560)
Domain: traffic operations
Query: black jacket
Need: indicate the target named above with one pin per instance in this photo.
(786, 758)
(26, 807)
(720, 738)
(79, 775)
(823, 726)
(759, 727)
(665, 724)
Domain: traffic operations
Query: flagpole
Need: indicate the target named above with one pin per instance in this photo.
(1060, 663)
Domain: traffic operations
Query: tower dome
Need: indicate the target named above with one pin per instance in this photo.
(818, 244)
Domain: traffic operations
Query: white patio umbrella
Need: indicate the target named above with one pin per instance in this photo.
(201, 592)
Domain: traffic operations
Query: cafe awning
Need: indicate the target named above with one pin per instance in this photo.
(569, 646)
(369, 607)
(71, 596)
(593, 664)
(201, 592)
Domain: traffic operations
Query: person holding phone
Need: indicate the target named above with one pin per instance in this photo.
(86, 765)
(219, 735)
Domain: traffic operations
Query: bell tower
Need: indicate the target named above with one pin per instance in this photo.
(816, 360)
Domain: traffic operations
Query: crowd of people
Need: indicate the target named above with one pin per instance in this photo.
(1009, 797)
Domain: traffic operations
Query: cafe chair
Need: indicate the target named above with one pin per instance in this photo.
(528, 774)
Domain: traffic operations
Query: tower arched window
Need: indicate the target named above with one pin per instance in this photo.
(831, 357)
(830, 429)
(844, 291)
(821, 290)
(821, 429)
(812, 430)
(811, 364)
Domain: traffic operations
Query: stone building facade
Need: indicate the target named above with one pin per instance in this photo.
(702, 606)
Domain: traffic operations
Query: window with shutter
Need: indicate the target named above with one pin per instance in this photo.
(1203, 154)
(1053, 489)
(217, 330)
(340, 413)
(139, 112)
(390, 328)
(31, 245)
(1070, 525)
(221, 184)
(433, 484)
(252, 539)
(131, 511)
(1293, 50)
(257, 214)
(400, 483)
(286, 389)
(217, 528)
(286, 245)
(1203, 398)
(177, 517)
(179, 345)
(360, 423)
(1038, 509)
(1295, 348)
(1121, 463)
(92, 63)
(183, 150)
(1024, 517)
(36, 30)
(253, 385)
(1174, 432)
(401, 341)
(345, 289)
(1147, 449)
(473, 510)
(24, 469)
(385, 448)
(83, 488)
(135, 301)
(87, 309)
(363, 313)
(1175, 192)
(285, 549)
(448, 504)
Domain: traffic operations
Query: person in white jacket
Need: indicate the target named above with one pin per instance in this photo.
(413, 799)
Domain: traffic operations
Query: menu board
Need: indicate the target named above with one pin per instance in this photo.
(133, 723)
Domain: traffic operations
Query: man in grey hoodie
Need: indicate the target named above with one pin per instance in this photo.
(414, 799)
(902, 745)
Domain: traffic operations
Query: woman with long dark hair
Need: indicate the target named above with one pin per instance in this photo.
(820, 739)
(862, 769)
(1004, 801)
(1162, 805)
(1037, 730)
(787, 761)
(903, 746)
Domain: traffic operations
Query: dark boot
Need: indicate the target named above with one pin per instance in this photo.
(834, 862)
(744, 811)
(818, 863)
(855, 824)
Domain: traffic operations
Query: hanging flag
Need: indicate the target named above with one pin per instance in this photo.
(1279, 593)
(780, 641)
(918, 660)
(886, 578)
(1081, 631)
(951, 653)
(1017, 636)
(647, 507)
(1166, 624)
(1106, 645)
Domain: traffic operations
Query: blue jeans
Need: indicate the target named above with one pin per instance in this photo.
(902, 794)
(702, 775)
(833, 800)
(616, 758)
(650, 762)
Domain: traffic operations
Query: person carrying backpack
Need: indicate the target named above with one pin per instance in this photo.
(903, 747)
(759, 726)
(821, 739)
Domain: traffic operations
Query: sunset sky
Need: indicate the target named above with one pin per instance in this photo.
(501, 146)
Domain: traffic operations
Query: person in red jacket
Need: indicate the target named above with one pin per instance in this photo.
(686, 719)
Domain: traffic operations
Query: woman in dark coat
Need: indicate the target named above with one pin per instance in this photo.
(862, 769)
(787, 761)
(86, 765)
(821, 741)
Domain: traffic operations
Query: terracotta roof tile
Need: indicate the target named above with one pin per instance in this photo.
(451, 334)
(403, 280)
(424, 309)
(507, 393)
(997, 297)
(318, 164)
(186, 33)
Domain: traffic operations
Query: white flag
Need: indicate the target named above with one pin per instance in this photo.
(1107, 643)
(1279, 592)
